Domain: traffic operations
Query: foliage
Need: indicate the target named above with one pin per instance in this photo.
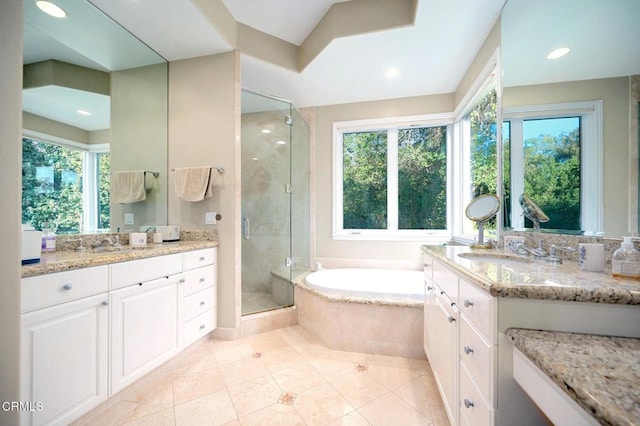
(365, 180)
(422, 178)
(104, 179)
(552, 177)
(52, 200)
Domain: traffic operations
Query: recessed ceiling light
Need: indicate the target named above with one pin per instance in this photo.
(51, 9)
(265, 131)
(281, 143)
(392, 72)
(255, 158)
(83, 112)
(558, 53)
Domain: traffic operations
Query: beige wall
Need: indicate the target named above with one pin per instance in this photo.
(326, 248)
(54, 128)
(139, 140)
(10, 193)
(204, 124)
(614, 92)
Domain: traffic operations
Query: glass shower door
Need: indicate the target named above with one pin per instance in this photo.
(266, 203)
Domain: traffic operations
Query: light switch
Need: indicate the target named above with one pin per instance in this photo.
(128, 218)
(210, 218)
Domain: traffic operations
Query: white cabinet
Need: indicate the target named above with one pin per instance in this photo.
(146, 325)
(200, 294)
(460, 339)
(444, 328)
(64, 358)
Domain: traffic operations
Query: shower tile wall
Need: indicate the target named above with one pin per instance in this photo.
(265, 165)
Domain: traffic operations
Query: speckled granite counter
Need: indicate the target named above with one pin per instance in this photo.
(65, 260)
(537, 279)
(601, 373)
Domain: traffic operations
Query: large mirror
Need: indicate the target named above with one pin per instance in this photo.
(570, 131)
(94, 102)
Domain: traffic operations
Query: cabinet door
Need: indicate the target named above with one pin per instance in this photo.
(445, 353)
(146, 324)
(64, 360)
(430, 310)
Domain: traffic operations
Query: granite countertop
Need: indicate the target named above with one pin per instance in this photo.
(536, 279)
(65, 260)
(601, 373)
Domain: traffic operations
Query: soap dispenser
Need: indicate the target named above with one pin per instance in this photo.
(625, 262)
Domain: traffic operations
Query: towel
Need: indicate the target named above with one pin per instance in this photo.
(127, 187)
(193, 183)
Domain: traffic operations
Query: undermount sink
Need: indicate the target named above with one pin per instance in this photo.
(503, 259)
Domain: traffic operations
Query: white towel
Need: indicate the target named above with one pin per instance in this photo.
(127, 187)
(193, 183)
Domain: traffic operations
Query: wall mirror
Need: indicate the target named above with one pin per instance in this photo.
(94, 101)
(570, 124)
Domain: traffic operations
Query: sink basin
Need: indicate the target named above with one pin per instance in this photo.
(502, 259)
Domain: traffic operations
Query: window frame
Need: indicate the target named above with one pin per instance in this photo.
(591, 155)
(391, 125)
(89, 174)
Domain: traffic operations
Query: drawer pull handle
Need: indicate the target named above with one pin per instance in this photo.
(202, 279)
(67, 286)
(468, 350)
(468, 403)
(202, 327)
(442, 292)
(450, 318)
(182, 280)
(467, 303)
(429, 288)
(202, 303)
(105, 303)
(201, 259)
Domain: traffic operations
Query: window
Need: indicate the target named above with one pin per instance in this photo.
(553, 153)
(64, 187)
(390, 179)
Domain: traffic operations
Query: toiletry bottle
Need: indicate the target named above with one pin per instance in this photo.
(48, 240)
(625, 262)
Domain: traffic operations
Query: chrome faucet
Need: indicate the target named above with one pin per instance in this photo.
(553, 253)
(538, 253)
(107, 242)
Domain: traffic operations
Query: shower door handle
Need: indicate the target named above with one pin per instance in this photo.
(245, 228)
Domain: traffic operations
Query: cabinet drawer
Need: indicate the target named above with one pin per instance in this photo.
(199, 279)
(446, 279)
(141, 270)
(473, 410)
(199, 326)
(477, 356)
(199, 302)
(198, 258)
(479, 307)
(60, 287)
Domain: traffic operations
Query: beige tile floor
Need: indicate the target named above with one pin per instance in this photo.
(282, 377)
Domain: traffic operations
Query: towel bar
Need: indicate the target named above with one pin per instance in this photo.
(220, 169)
(155, 174)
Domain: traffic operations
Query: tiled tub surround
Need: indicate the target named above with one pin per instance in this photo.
(532, 295)
(377, 326)
(600, 373)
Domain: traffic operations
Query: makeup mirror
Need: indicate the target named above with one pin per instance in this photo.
(532, 211)
(480, 210)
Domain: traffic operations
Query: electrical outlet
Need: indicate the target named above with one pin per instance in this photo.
(128, 219)
(210, 218)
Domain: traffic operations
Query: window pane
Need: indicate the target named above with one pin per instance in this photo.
(364, 188)
(51, 186)
(104, 178)
(506, 173)
(422, 178)
(552, 169)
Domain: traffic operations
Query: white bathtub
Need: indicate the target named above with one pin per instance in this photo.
(369, 283)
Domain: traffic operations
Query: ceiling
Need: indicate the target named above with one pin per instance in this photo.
(432, 55)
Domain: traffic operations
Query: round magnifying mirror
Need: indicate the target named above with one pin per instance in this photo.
(483, 208)
(532, 211)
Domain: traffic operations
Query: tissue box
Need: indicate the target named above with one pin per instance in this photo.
(31, 246)
(138, 239)
(169, 233)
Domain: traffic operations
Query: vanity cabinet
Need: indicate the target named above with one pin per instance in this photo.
(64, 355)
(87, 333)
(145, 316)
(200, 294)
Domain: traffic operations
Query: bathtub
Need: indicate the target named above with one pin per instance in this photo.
(391, 284)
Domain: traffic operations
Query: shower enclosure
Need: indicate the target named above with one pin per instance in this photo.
(275, 201)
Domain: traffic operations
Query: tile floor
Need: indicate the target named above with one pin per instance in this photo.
(282, 377)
